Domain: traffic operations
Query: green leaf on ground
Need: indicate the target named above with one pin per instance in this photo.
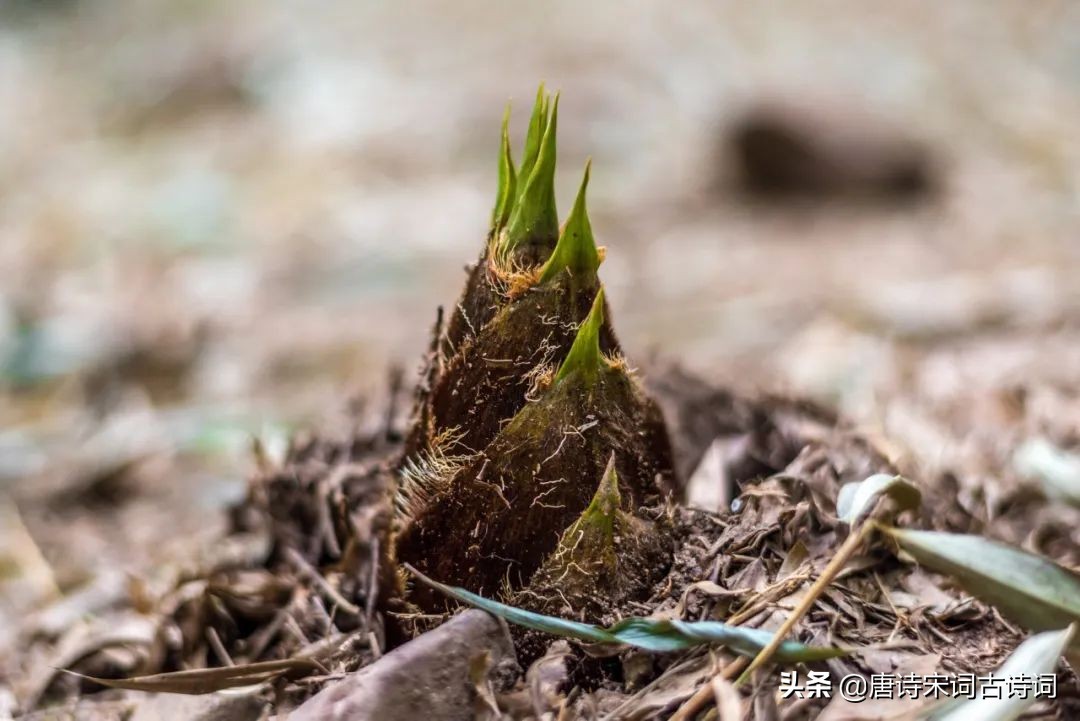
(657, 635)
(1027, 588)
(1035, 656)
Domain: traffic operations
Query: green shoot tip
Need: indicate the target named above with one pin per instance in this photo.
(534, 134)
(576, 251)
(504, 199)
(585, 357)
(607, 499)
(534, 218)
(598, 519)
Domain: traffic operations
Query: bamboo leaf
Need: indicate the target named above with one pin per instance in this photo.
(208, 680)
(1031, 590)
(857, 500)
(528, 619)
(1035, 656)
(671, 635)
(657, 635)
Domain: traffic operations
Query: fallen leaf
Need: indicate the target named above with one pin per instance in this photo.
(1035, 656)
(658, 635)
(208, 680)
(857, 500)
(1031, 590)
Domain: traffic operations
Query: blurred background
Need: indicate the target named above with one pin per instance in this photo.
(221, 221)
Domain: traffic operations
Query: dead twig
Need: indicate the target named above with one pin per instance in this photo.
(321, 583)
(706, 693)
(843, 555)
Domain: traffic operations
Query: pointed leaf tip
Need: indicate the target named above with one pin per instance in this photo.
(589, 539)
(576, 251)
(606, 500)
(585, 357)
(534, 134)
(507, 191)
(534, 218)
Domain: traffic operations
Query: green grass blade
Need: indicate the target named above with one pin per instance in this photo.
(670, 635)
(528, 619)
(657, 635)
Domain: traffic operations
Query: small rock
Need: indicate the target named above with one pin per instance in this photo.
(428, 678)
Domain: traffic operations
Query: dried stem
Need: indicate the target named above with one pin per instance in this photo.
(843, 555)
(705, 693)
